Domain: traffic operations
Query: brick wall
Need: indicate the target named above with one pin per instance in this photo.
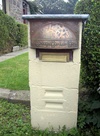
(14, 8)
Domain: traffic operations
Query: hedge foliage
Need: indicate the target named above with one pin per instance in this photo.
(11, 33)
(22, 35)
(91, 44)
(90, 108)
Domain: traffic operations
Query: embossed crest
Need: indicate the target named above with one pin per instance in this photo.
(54, 34)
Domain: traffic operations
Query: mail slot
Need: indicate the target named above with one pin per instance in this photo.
(54, 69)
(54, 55)
(54, 35)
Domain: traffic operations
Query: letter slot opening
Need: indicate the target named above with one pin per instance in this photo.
(55, 55)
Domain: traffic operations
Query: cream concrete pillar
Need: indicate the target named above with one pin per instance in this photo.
(54, 82)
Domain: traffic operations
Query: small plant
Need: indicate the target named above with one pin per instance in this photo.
(89, 117)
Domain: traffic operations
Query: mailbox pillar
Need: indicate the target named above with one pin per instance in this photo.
(54, 69)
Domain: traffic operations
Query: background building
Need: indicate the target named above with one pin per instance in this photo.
(0, 4)
(16, 8)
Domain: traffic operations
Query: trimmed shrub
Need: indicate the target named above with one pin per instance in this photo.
(91, 44)
(3, 32)
(89, 109)
(22, 35)
(8, 29)
(11, 33)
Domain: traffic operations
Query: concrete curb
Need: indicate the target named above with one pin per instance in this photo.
(15, 96)
(12, 95)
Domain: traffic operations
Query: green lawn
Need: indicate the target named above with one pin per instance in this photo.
(14, 73)
(15, 121)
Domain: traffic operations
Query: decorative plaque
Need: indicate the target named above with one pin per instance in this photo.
(54, 34)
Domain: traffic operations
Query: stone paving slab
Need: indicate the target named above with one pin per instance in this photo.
(15, 96)
(4, 93)
(11, 95)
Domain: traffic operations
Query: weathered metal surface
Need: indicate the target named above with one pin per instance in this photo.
(54, 57)
(52, 34)
(82, 17)
(62, 51)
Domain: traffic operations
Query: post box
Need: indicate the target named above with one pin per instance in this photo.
(54, 68)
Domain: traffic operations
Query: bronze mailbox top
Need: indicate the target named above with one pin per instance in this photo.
(55, 31)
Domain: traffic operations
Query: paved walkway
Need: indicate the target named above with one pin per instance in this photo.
(12, 54)
(11, 95)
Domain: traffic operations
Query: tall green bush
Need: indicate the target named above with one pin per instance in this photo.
(11, 33)
(8, 32)
(22, 35)
(4, 35)
(89, 109)
(91, 44)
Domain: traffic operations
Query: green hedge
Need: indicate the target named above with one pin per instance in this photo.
(89, 109)
(91, 43)
(22, 35)
(4, 34)
(11, 33)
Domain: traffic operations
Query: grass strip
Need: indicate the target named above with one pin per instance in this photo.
(15, 121)
(14, 73)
